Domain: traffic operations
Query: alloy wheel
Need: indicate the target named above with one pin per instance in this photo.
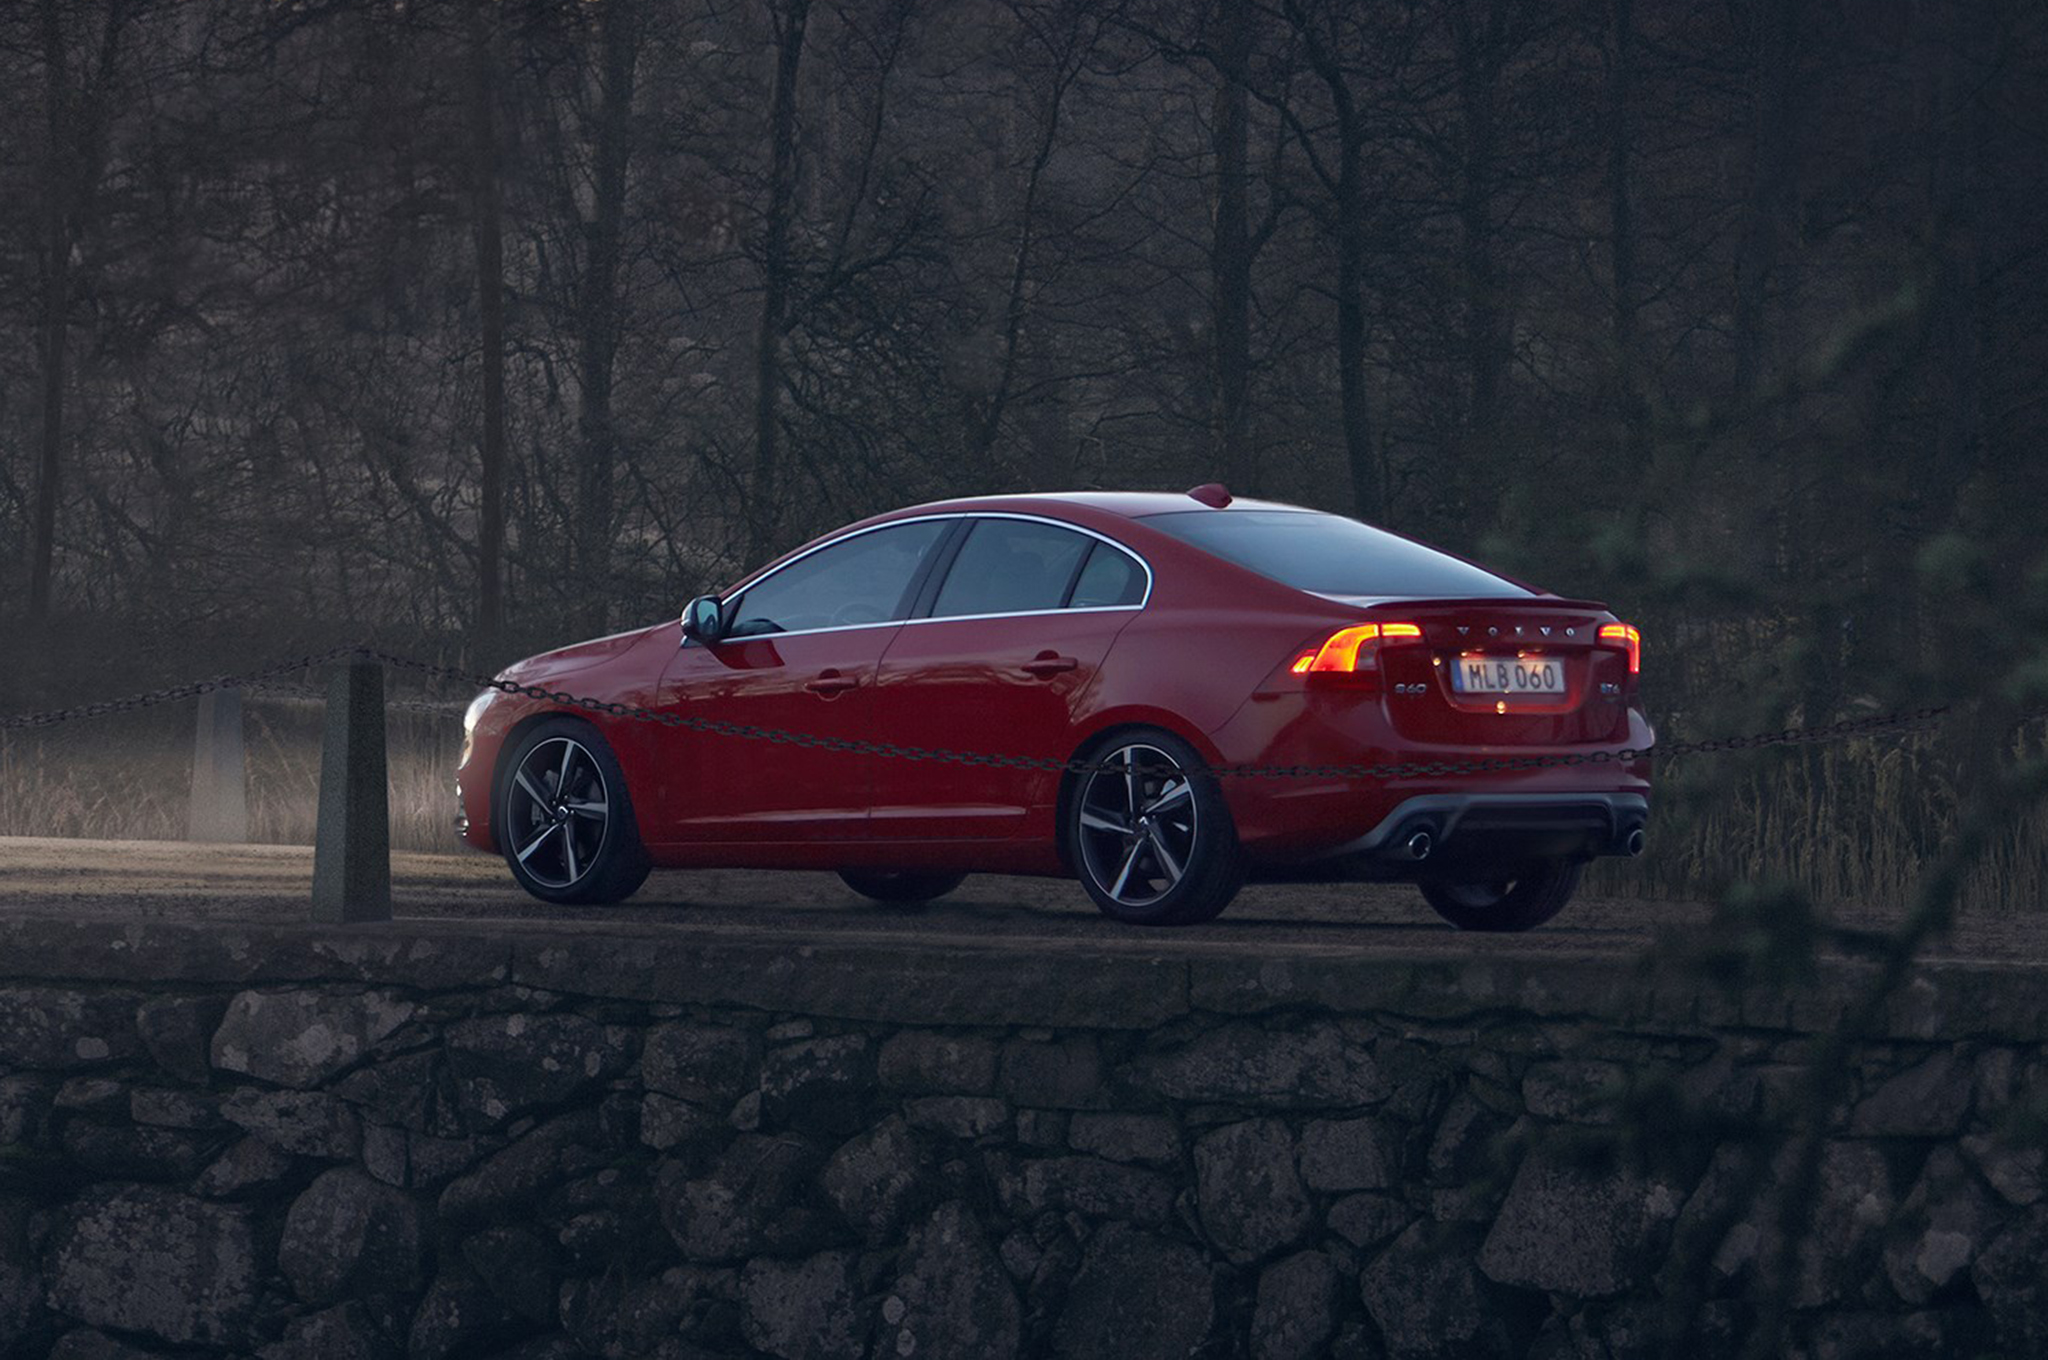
(1138, 825)
(559, 810)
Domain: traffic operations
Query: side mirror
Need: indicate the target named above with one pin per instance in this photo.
(704, 619)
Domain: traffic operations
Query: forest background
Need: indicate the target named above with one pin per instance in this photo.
(478, 326)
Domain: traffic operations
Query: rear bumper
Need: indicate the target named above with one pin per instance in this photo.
(1433, 832)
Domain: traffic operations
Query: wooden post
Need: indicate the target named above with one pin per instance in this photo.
(352, 849)
(220, 783)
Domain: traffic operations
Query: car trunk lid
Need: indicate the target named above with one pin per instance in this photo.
(1503, 672)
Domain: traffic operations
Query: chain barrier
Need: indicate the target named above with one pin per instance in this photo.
(1905, 720)
(171, 694)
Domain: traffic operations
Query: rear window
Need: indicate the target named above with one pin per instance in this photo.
(1330, 555)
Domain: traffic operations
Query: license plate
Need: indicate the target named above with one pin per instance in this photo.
(1508, 675)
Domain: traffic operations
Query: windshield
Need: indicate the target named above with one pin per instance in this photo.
(1331, 555)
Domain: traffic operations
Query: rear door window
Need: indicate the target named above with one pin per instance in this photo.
(1011, 566)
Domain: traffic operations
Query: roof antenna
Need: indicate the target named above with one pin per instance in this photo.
(1212, 494)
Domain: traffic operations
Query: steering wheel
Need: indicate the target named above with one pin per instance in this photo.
(859, 611)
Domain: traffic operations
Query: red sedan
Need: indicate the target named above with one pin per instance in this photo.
(1150, 639)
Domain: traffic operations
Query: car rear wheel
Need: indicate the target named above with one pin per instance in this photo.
(900, 887)
(1522, 902)
(1153, 843)
(565, 822)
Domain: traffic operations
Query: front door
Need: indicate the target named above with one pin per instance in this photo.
(799, 657)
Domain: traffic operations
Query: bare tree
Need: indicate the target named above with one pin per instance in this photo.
(788, 19)
(598, 315)
(487, 229)
(76, 105)
(1327, 44)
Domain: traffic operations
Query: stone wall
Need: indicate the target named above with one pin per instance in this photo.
(332, 1144)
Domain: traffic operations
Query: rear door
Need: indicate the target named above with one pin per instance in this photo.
(800, 656)
(1003, 652)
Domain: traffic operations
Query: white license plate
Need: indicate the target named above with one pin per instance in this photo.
(1508, 675)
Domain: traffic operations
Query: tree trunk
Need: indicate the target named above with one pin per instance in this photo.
(1367, 496)
(487, 227)
(1347, 190)
(599, 313)
(1769, 201)
(1965, 489)
(54, 319)
(1485, 340)
(1230, 254)
(1634, 430)
(775, 275)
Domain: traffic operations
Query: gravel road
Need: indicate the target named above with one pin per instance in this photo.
(129, 880)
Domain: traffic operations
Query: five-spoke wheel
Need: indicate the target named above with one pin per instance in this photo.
(1150, 835)
(565, 823)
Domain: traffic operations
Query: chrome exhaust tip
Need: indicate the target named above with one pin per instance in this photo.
(1632, 844)
(1419, 844)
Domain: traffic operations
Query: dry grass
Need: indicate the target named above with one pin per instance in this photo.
(1849, 823)
(129, 776)
(1852, 822)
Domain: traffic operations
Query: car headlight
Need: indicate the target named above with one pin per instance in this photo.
(470, 717)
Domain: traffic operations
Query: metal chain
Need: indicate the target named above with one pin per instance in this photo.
(151, 698)
(1902, 721)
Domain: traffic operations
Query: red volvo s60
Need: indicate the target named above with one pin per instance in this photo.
(1149, 638)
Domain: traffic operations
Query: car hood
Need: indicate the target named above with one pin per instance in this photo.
(581, 656)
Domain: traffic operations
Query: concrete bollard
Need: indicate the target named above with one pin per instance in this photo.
(352, 845)
(220, 782)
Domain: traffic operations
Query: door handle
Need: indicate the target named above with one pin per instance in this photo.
(832, 682)
(1048, 664)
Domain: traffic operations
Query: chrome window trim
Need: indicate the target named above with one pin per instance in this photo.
(752, 581)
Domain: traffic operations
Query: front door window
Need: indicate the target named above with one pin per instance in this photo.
(859, 580)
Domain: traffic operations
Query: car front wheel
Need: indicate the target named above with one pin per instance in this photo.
(1506, 904)
(1150, 836)
(565, 822)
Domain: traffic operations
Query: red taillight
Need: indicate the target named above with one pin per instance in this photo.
(1626, 638)
(1351, 650)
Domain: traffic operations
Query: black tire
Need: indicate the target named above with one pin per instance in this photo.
(1522, 902)
(1128, 862)
(583, 849)
(901, 887)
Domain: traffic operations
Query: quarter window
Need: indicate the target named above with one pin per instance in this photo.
(1011, 566)
(862, 579)
(1112, 577)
